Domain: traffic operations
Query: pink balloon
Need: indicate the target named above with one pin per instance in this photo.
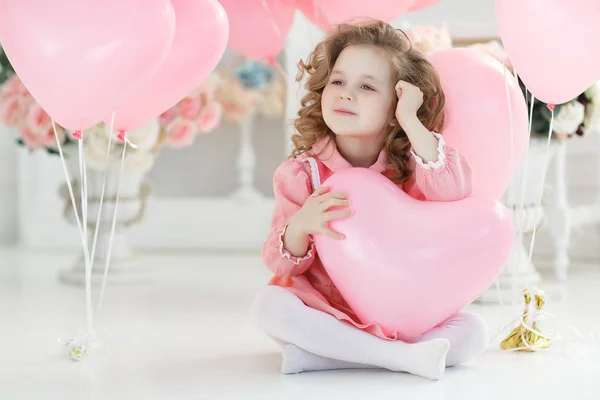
(406, 264)
(478, 116)
(420, 4)
(310, 9)
(549, 42)
(200, 41)
(258, 28)
(339, 11)
(79, 57)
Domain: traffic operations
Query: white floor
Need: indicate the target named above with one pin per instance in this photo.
(190, 335)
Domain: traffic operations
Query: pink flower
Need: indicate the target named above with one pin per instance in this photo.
(13, 87)
(205, 92)
(181, 132)
(29, 138)
(428, 39)
(168, 115)
(47, 139)
(10, 111)
(190, 107)
(38, 121)
(209, 117)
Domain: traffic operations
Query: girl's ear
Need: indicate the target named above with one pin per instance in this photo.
(392, 119)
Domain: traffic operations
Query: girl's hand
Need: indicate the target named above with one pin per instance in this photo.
(315, 214)
(410, 99)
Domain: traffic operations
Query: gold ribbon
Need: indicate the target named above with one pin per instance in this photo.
(527, 336)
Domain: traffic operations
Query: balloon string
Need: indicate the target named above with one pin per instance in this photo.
(87, 259)
(90, 320)
(512, 162)
(69, 185)
(112, 230)
(546, 161)
(98, 217)
(524, 181)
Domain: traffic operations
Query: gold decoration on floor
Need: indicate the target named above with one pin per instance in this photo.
(527, 336)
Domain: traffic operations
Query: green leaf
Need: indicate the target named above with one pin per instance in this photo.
(52, 151)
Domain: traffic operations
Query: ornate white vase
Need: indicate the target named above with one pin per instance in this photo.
(134, 192)
(519, 272)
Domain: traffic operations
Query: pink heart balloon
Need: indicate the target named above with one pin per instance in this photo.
(478, 116)
(200, 41)
(78, 58)
(406, 264)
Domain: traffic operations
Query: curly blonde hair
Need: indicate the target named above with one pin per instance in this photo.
(408, 64)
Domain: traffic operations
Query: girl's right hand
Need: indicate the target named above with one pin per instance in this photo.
(315, 214)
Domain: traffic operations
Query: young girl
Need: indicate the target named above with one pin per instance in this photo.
(372, 102)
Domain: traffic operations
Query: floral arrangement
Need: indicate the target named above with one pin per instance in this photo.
(579, 116)
(231, 93)
(249, 88)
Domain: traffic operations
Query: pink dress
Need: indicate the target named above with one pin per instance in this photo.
(448, 179)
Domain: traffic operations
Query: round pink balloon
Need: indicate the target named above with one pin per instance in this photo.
(478, 116)
(200, 41)
(258, 28)
(310, 9)
(406, 264)
(339, 11)
(420, 4)
(552, 45)
(78, 58)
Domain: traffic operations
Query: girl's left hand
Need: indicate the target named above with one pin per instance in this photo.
(410, 99)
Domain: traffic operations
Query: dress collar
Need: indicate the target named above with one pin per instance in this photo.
(326, 150)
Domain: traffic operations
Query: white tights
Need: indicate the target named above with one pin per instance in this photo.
(313, 340)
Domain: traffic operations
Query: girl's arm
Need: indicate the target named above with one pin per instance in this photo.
(288, 253)
(448, 177)
(441, 173)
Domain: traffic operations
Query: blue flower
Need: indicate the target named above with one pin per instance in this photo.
(254, 74)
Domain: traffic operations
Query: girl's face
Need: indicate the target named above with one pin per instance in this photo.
(359, 97)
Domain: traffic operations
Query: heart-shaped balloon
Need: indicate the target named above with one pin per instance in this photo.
(407, 264)
(482, 99)
(200, 40)
(78, 58)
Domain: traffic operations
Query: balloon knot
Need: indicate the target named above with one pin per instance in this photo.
(551, 107)
(77, 135)
(121, 136)
(271, 61)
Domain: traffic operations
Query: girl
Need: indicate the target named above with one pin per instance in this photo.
(372, 102)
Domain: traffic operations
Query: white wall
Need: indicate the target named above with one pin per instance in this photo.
(465, 18)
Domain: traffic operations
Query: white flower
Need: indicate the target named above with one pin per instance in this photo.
(592, 118)
(146, 136)
(593, 93)
(138, 161)
(570, 116)
(95, 144)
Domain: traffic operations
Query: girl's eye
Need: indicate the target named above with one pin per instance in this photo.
(367, 87)
(336, 82)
